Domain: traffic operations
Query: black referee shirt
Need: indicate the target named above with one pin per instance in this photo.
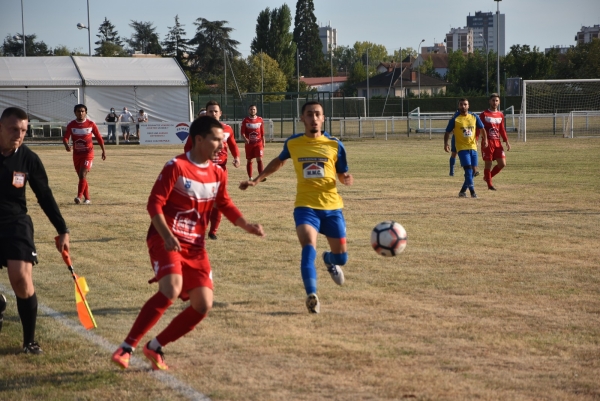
(15, 171)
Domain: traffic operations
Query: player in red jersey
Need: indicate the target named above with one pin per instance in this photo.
(253, 132)
(213, 109)
(493, 121)
(82, 129)
(179, 205)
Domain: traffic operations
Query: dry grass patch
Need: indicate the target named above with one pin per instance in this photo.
(494, 298)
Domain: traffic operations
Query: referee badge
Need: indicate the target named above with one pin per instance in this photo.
(18, 179)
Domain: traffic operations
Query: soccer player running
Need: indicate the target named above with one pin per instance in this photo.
(19, 166)
(213, 109)
(179, 205)
(493, 122)
(253, 133)
(319, 160)
(463, 126)
(82, 129)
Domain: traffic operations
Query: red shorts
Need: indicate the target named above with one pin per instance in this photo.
(493, 152)
(83, 162)
(192, 263)
(254, 150)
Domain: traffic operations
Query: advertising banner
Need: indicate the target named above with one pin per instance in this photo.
(166, 133)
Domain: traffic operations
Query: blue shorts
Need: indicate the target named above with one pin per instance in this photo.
(468, 157)
(330, 223)
(453, 145)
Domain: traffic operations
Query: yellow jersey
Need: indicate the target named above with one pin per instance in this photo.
(317, 162)
(464, 129)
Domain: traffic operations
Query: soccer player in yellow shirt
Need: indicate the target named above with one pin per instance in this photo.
(319, 161)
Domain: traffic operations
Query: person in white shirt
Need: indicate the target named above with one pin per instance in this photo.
(125, 118)
(142, 118)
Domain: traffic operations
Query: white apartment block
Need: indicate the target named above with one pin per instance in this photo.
(484, 27)
(328, 36)
(587, 33)
(460, 39)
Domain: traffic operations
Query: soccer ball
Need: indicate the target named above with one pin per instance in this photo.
(388, 238)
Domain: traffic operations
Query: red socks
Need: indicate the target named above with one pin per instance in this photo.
(82, 188)
(151, 312)
(487, 176)
(180, 326)
(496, 170)
(260, 166)
(215, 221)
(249, 168)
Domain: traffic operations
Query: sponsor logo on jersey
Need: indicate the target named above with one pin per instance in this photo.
(493, 120)
(313, 170)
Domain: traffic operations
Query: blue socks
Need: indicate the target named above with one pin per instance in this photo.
(452, 163)
(308, 270)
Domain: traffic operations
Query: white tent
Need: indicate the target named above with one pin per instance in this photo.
(49, 87)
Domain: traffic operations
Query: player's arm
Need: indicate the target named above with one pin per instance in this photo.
(272, 167)
(160, 224)
(446, 144)
(262, 132)
(243, 132)
(346, 178)
(449, 131)
(98, 136)
(233, 148)
(341, 166)
(251, 228)
(481, 129)
(232, 213)
(504, 134)
(158, 198)
(66, 138)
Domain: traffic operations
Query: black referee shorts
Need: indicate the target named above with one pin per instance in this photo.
(16, 241)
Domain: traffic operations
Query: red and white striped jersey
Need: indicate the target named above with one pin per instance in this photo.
(228, 142)
(253, 129)
(493, 123)
(82, 136)
(185, 193)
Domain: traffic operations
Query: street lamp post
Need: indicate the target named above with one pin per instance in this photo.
(419, 70)
(23, 26)
(498, 42)
(82, 26)
(487, 53)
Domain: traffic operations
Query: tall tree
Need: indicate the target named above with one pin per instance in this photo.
(274, 37)
(527, 63)
(175, 44)
(306, 36)
(580, 62)
(13, 45)
(107, 34)
(144, 38)
(212, 41)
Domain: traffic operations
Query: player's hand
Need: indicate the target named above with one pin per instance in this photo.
(485, 143)
(507, 145)
(172, 244)
(62, 242)
(103, 156)
(347, 179)
(236, 162)
(68, 148)
(245, 184)
(255, 229)
(447, 148)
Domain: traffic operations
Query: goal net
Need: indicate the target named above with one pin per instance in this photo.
(567, 107)
(42, 104)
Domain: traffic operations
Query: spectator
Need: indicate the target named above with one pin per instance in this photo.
(142, 118)
(112, 119)
(126, 117)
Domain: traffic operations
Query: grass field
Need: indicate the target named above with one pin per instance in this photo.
(496, 298)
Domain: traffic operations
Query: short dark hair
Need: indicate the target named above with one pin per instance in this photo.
(78, 106)
(14, 111)
(252, 105)
(213, 103)
(141, 110)
(463, 99)
(203, 126)
(493, 95)
(311, 103)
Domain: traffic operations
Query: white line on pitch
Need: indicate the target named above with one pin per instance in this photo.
(164, 377)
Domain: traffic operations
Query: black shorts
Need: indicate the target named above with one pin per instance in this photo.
(16, 241)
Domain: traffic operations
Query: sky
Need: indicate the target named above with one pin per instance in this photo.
(392, 23)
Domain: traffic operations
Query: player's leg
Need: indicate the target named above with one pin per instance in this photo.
(215, 216)
(468, 159)
(249, 168)
(307, 228)
(452, 155)
(20, 275)
(82, 170)
(500, 158)
(259, 162)
(333, 226)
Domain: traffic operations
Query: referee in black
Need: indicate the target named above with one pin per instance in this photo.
(18, 166)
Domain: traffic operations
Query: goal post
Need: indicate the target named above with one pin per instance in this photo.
(547, 101)
(43, 104)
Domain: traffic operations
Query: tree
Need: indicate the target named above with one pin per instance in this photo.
(144, 38)
(107, 34)
(526, 63)
(110, 49)
(212, 41)
(14, 46)
(274, 38)
(262, 74)
(377, 53)
(306, 36)
(580, 62)
(175, 44)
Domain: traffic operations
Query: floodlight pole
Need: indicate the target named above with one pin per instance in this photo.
(498, 42)
(419, 70)
(89, 34)
(23, 26)
(487, 53)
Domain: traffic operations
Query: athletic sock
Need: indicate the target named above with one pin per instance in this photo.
(86, 190)
(215, 221)
(468, 178)
(260, 166)
(249, 168)
(27, 309)
(496, 170)
(154, 344)
(308, 270)
(151, 312)
(487, 177)
(81, 187)
(452, 163)
(180, 326)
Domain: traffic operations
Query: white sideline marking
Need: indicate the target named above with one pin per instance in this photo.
(164, 377)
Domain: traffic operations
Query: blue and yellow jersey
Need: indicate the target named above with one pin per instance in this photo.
(317, 161)
(464, 129)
